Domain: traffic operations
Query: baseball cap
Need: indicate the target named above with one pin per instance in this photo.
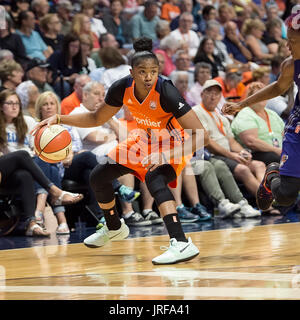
(36, 63)
(211, 83)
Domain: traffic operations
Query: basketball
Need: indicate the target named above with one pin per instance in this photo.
(52, 144)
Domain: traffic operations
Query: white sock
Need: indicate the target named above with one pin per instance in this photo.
(146, 211)
(128, 215)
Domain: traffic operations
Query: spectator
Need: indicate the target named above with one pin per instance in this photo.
(50, 27)
(183, 63)
(116, 24)
(222, 143)
(18, 6)
(205, 53)
(106, 40)
(186, 6)
(272, 12)
(253, 30)
(11, 74)
(115, 66)
(37, 72)
(180, 80)
(168, 47)
(15, 136)
(64, 9)
(273, 35)
(261, 74)
(144, 23)
(28, 93)
(88, 9)
(162, 30)
(187, 38)
(275, 68)
(170, 10)
(235, 46)
(209, 13)
(161, 64)
(88, 64)
(81, 24)
(259, 129)
(40, 8)
(213, 31)
(221, 188)
(69, 103)
(66, 65)
(232, 86)
(13, 42)
(6, 55)
(34, 45)
(201, 74)
(79, 163)
(226, 13)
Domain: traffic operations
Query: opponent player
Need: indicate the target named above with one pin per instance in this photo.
(281, 182)
(155, 104)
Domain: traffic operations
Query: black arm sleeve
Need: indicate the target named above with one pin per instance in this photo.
(171, 101)
(115, 93)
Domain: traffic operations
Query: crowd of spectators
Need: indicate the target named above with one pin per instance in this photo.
(61, 56)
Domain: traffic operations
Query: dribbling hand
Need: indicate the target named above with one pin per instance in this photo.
(48, 122)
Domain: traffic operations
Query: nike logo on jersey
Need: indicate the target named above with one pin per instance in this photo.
(181, 105)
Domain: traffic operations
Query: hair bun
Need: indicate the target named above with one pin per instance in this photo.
(143, 44)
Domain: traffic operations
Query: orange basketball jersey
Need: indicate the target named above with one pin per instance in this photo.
(157, 127)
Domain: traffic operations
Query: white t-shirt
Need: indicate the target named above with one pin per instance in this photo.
(12, 140)
(99, 150)
(191, 38)
(113, 74)
(211, 127)
(97, 27)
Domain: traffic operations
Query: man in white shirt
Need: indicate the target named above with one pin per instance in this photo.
(183, 34)
(223, 145)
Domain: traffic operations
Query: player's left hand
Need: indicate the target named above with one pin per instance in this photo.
(153, 160)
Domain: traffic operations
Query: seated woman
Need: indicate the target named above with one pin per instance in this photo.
(28, 92)
(50, 26)
(259, 129)
(205, 53)
(253, 30)
(14, 136)
(88, 64)
(66, 65)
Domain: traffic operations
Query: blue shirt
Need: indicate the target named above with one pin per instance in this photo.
(234, 50)
(141, 26)
(34, 44)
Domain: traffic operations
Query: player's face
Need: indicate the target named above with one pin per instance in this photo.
(11, 108)
(145, 74)
(49, 108)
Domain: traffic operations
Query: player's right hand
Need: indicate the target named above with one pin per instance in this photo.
(231, 108)
(47, 122)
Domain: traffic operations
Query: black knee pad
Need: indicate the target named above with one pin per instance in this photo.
(157, 183)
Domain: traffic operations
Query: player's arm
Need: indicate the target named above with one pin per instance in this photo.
(106, 110)
(274, 89)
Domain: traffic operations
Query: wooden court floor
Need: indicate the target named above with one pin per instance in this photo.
(260, 262)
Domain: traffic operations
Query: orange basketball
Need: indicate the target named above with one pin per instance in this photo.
(52, 144)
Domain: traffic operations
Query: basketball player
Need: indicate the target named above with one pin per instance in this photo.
(281, 181)
(155, 104)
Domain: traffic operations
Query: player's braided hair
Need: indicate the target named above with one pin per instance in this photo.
(143, 50)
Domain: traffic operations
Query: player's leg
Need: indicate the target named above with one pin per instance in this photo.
(101, 180)
(284, 189)
(181, 248)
